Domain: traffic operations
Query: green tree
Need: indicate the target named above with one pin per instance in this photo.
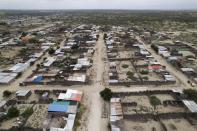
(7, 93)
(51, 51)
(106, 94)
(33, 40)
(130, 74)
(154, 101)
(13, 112)
(191, 94)
(28, 112)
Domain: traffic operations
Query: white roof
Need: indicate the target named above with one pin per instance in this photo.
(77, 66)
(162, 48)
(45, 47)
(83, 61)
(68, 94)
(191, 105)
(48, 44)
(169, 78)
(144, 52)
(178, 91)
(20, 67)
(22, 92)
(172, 58)
(154, 62)
(70, 122)
(37, 55)
(187, 69)
(80, 78)
(115, 129)
(91, 42)
(2, 103)
(113, 81)
(49, 61)
(6, 78)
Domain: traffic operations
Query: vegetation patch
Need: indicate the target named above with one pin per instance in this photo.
(125, 66)
(82, 109)
(7, 93)
(28, 112)
(130, 75)
(106, 94)
(144, 72)
(191, 94)
(13, 112)
(154, 101)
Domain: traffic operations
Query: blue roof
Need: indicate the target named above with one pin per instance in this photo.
(57, 108)
(38, 79)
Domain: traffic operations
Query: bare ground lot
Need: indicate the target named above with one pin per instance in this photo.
(144, 106)
(171, 125)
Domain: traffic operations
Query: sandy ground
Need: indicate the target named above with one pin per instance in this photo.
(141, 126)
(178, 125)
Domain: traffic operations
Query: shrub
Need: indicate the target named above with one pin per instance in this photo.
(7, 93)
(106, 94)
(191, 94)
(130, 74)
(144, 72)
(51, 51)
(125, 66)
(145, 78)
(28, 112)
(154, 101)
(33, 40)
(13, 112)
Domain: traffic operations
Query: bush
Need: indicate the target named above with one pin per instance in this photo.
(33, 40)
(130, 74)
(145, 78)
(154, 101)
(106, 94)
(7, 93)
(51, 51)
(191, 94)
(144, 72)
(154, 47)
(13, 112)
(28, 112)
(125, 66)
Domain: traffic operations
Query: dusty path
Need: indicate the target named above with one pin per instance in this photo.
(95, 121)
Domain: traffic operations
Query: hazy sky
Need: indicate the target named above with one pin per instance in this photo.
(98, 4)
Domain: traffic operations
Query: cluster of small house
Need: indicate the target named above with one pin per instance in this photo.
(180, 55)
(62, 112)
(70, 63)
(116, 113)
(9, 75)
(124, 47)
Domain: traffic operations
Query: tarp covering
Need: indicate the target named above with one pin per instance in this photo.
(38, 79)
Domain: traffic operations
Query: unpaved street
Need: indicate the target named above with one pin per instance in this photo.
(95, 120)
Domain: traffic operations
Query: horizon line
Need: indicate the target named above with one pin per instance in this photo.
(100, 9)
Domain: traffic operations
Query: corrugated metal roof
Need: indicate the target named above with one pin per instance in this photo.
(57, 108)
(73, 95)
(6, 78)
(191, 105)
(22, 92)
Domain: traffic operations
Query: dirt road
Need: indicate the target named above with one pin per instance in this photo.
(95, 120)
